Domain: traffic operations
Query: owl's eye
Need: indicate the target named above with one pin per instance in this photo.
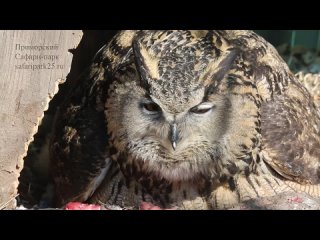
(201, 108)
(151, 107)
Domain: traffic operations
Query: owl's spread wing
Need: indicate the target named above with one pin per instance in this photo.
(290, 127)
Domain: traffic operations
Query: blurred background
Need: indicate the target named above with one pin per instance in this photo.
(299, 48)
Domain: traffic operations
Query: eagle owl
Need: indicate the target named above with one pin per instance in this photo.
(187, 120)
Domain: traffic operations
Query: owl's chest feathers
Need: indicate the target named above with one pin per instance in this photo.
(153, 189)
(200, 192)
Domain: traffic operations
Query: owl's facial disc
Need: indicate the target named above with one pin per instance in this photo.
(154, 111)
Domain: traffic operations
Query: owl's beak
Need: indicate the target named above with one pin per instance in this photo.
(174, 135)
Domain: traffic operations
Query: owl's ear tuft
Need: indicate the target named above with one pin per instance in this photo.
(218, 68)
(147, 64)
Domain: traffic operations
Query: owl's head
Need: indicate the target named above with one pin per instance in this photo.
(170, 108)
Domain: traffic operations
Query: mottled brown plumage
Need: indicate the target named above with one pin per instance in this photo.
(187, 119)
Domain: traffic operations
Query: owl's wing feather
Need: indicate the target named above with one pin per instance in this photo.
(80, 152)
(79, 157)
(290, 134)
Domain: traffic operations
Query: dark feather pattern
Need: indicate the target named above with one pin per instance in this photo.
(255, 134)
